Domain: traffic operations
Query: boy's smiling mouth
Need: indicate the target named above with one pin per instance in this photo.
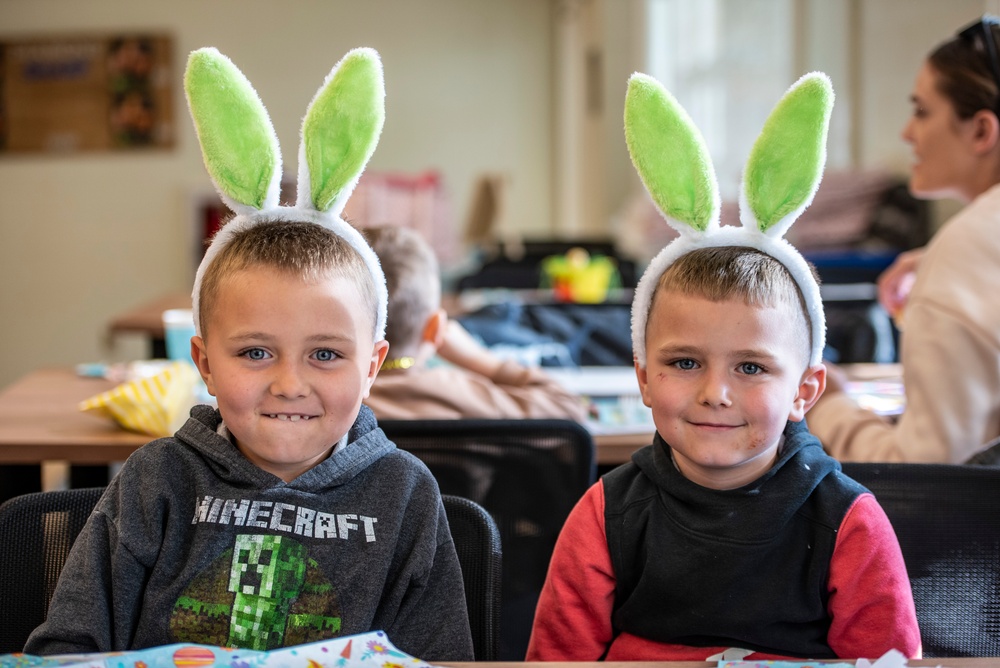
(713, 425)
(289, 417)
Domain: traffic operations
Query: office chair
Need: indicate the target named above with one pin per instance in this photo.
(528, 474)
(477, 541)
(36, 533)
(947, 519)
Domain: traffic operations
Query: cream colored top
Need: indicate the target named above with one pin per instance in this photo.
(950, 353)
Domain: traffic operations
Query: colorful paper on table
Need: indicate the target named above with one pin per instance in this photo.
(366, 650)
(156, 405)
(884, 397)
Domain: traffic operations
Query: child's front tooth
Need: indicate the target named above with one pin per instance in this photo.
(294, 418)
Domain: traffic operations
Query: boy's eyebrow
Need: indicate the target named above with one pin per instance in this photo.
(679, 349)
(315, 338)
(746, 352)
(320, 338)
(754, 353)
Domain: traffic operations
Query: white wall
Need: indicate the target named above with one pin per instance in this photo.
(894, 38)
(895, 35)
(624, 30)
(86, 236)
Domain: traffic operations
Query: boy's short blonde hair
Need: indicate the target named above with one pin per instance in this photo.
(719, 273)
(307, 250)
(413, 281)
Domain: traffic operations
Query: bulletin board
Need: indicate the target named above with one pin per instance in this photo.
(86, 93)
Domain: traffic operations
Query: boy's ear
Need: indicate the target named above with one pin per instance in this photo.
(379, 351)
(435, 328)
(810, 390)
(640, 374)
(199, 354)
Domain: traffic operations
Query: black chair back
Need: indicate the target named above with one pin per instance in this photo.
(528, 474)
(36, 533)
(947, 519)
(477, 542)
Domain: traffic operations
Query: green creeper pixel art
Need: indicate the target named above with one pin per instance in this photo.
(263, 594)
(267, 575)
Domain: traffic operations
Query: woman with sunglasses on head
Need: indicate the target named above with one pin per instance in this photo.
(944, 296)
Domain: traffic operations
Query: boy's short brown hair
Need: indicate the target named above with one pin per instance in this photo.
(307, 250)
(719, 273)
(413, 281)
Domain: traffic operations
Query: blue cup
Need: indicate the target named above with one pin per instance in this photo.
(178, 328)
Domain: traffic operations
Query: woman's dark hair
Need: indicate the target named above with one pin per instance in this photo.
(964, 69)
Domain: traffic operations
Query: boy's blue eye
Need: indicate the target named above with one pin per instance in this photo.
(326, 355)
(255, 354)
(686, 364)
(750, 368)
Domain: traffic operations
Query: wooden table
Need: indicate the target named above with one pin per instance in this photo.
(39, 422)
(614, 449)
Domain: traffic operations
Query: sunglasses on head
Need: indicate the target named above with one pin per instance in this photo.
(983, 29)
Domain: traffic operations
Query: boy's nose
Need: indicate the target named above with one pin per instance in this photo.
(714, 390)
(288, 381)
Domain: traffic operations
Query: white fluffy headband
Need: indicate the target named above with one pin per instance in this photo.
(339, 134)
(781, 177)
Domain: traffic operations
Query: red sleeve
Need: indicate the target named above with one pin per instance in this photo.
(573, 618)
(871, 602)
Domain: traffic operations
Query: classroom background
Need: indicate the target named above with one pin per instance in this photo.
(526, 92)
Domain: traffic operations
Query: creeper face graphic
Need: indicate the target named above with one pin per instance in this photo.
(267, 576)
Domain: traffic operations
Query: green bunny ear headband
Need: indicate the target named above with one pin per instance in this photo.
(781, 177)
(339, 134)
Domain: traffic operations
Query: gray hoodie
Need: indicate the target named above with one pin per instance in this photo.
(192, 542)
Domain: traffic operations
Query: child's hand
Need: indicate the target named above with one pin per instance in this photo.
(895, 282)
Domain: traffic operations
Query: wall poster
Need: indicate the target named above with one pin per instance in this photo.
(86, 93)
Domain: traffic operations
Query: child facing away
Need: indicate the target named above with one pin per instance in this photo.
(475, 383)
(733, 533)
(284, 516)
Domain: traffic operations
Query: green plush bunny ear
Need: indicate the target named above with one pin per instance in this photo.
(670, 155)
(237, 139)
(786, 163)
(341, 130)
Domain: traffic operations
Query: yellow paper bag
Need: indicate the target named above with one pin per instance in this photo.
(156, 405)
